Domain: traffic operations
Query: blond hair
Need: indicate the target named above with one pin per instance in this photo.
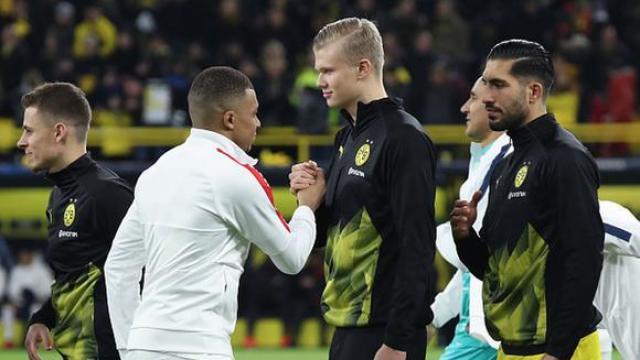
(359, 39)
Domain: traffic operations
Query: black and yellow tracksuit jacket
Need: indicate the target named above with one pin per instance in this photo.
(85, 209)
(380, 229)
(539, 252)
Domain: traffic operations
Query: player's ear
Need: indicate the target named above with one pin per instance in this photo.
(535, 92)
(61, 132)
(365, 68)
(229, 119)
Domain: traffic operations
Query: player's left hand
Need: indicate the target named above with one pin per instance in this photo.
(387, 353)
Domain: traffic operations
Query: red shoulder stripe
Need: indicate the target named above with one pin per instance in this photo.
(263, 183)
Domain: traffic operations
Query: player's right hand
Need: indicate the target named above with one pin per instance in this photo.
(313, 195)
(463, 216)
(36, 335)
(302, 176)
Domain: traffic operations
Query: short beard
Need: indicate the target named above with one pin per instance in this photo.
(514, 117)
(510, 122)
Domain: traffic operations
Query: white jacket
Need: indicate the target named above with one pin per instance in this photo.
(622, 230)
(617, 295)
(445, 306)
(195, 213)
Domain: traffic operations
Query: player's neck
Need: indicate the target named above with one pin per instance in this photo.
(68, 157)
(535, 112)
(372, 91)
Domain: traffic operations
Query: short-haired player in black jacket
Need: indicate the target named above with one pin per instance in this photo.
(539, 251)
(85, 208)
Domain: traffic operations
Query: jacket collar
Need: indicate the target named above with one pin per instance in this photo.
(69, 174)
(540, 130)
(222, 142)
(367, 113)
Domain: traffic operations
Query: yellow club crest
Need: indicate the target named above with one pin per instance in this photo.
(363, 154)
(521, 176)
(69, 214)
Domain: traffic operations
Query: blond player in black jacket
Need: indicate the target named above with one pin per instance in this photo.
(379, 205)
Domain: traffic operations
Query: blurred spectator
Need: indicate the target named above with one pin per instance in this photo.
(7, 316)
(15, 58)
(112, 115)
(364, 9)
(419, 63)
(274, 86)
(107, 87)
(6, 257)
(396, 77)
(610, 85)
(607, 56)
(531, 20)
(28, 287)
(179, 79)
(132, 90)
(442, 99)
(59, 35)
(3, 283)
(397, 80)
(95, 35)
(563, 100)
(312, 115)
(277, 28)
(126, 53)
(7, 311)
(405, 21)
(227, 26)
(21, 22)
(30, 282)
(154, 58)
(450, 32)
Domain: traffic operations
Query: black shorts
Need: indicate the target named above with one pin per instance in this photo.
(363, 343)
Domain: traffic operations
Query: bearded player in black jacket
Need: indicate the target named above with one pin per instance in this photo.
(539, 252)
(85, 208)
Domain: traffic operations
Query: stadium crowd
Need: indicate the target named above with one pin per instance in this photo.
(130, 55)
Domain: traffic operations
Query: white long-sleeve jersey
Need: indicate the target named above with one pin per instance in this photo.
(195, 213)
(447, 304)
(617, 295)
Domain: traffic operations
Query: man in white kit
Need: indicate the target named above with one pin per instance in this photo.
(195, 213)
(617, 295)
(463, 295)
